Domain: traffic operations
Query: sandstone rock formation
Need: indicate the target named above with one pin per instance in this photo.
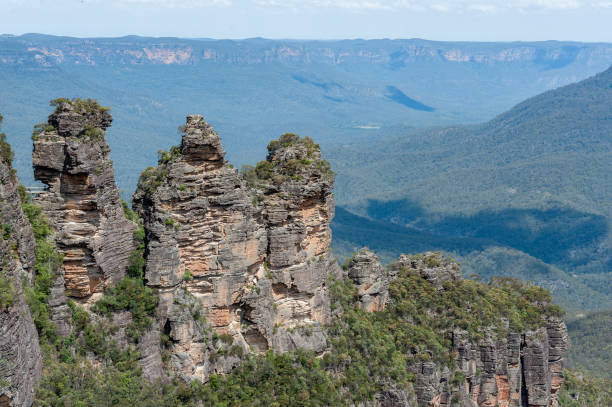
(513, 370)
(372, 280)
(82, 203)
(433, 268)
(241, 263)
(20, 357)
(256, 258)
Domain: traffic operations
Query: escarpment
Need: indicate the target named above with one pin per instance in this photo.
(255, 257)
(226, 282)
(20, 356)
(81, 201)
(505, 361)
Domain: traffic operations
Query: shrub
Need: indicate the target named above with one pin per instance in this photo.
(81, 106)
(130, 294)
(7, 231)
(165, 157)
(151, 179)
(7, 291)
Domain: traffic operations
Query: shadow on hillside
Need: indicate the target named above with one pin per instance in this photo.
(388, 240)
(554, 235)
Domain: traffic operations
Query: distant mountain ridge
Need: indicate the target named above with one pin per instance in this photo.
(252, 90)
(397, 53)
(535, 179)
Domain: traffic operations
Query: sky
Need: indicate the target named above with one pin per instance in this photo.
(456, 20)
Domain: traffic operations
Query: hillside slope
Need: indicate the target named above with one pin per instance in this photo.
(535, 179)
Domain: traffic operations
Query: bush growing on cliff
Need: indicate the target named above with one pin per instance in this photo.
(277, 172)
(130, 294)
(136, 261)
(48, 262)
(151, 179)
(81, 106)
(290, 139)
(165, 157)
(6, 153)
(7, 291)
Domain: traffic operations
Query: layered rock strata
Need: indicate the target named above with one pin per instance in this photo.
(20, 356)
(72, 157)
(372, 280)
(255, 258)
(514, 370)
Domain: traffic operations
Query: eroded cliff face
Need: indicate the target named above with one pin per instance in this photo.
(241, 263)
(372, 280)
(82, 202)
(20, 357)
(256, 258)
(514, 369)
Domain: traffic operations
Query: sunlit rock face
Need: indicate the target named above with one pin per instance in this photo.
(71, 156)
(254, 254)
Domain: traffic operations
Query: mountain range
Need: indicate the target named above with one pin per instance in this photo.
(527, 192)
(338, 92)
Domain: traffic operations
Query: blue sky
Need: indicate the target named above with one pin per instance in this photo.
(470, 20)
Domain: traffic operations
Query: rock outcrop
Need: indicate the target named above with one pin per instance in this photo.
(255, 257)
(241, 262)
(82, 202)
(20, 357)
(372, 280)
(433, 268)
(516, 369)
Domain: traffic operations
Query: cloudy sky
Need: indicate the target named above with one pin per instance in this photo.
(480, 20)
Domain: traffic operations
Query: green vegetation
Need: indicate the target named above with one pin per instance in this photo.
(370, 351)
(171, 224)
(290, 139)
(93, 133)
(136, 260)
(277, 172)
(165, 157)
(382, 344)
(296, 378)
(580, 390)
(187, 276)
(68, 377)
(591, 350)
(6, 153)
(48, 262)
(151, 179)
(130, 294)
(39, 128)
(7, 230)
(465, 189)
(81, 106)
(7, 291)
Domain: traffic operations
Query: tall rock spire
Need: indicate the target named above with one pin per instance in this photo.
(71, 156)
(253, 251)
